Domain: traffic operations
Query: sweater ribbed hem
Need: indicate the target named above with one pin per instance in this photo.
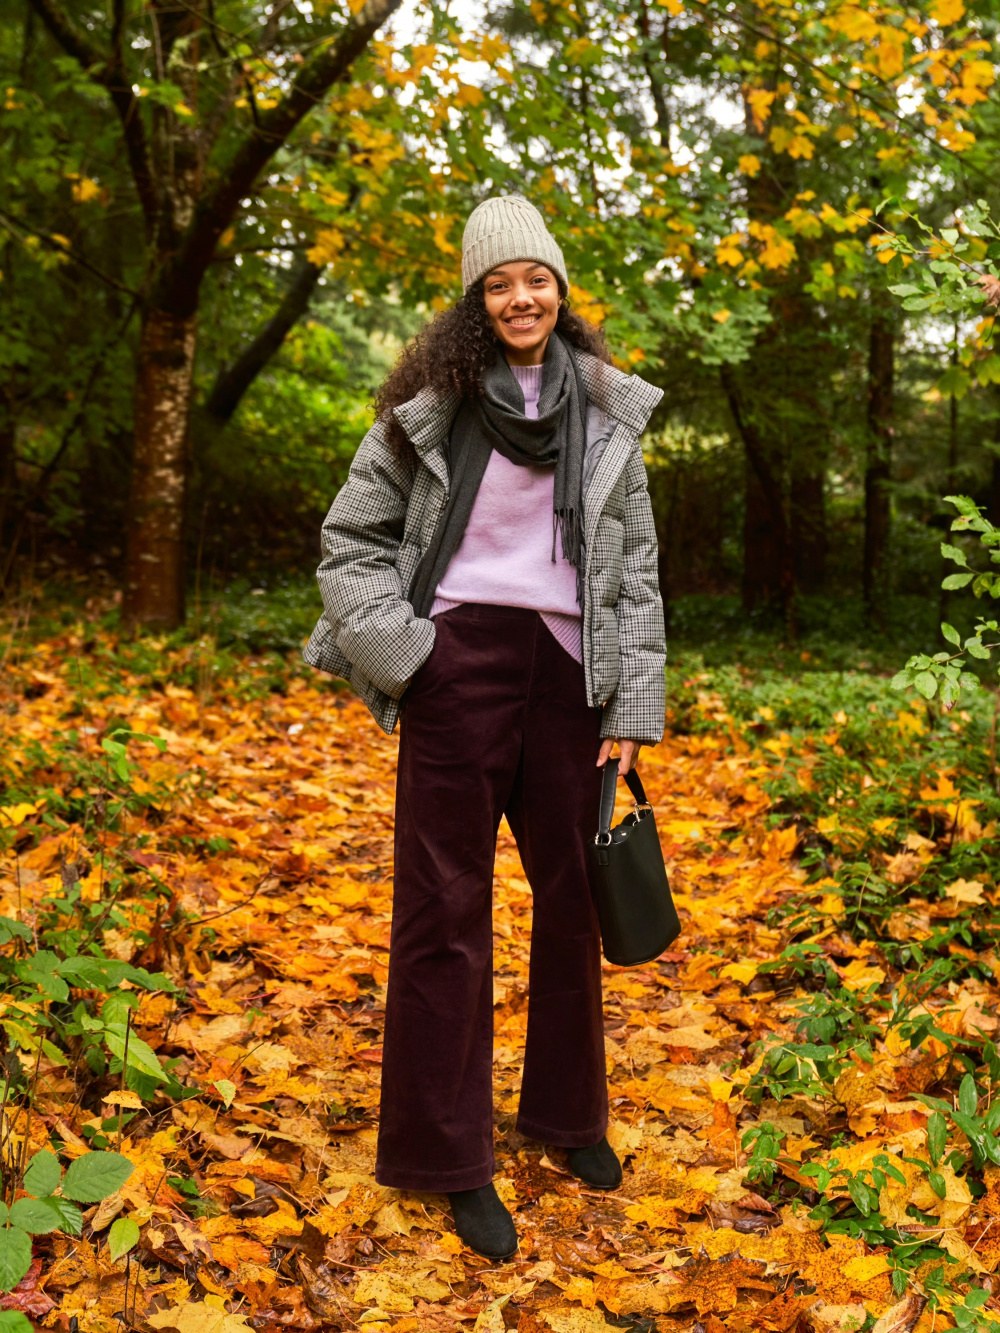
(566, 630)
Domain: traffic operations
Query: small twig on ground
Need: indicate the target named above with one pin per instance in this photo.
(22, 1156)
(236, 906)
(121, 1109)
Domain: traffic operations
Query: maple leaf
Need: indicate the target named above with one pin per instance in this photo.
(711, 1285)
(965, 891)
(199, 1317)
(576, 1321)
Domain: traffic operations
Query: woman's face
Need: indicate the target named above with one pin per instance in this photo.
(522, 301)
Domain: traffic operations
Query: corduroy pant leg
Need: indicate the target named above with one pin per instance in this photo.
(460, 746)
(553, 814)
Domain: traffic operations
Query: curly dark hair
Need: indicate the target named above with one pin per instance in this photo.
(452, 352)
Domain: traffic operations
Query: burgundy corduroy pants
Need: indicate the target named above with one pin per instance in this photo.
(496, 722)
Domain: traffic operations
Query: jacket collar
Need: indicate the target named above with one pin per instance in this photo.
(427, 419)
(625, 398)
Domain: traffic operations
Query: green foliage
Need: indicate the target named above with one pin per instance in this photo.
(945, 674)
(122, 1237)
(96, 1175)
(64, 950)
(89, 1178)
(13, 1321)
(43, 1173)
(968, 1313)
(857, 772)
(953, 261)
(980, 1130)
(15, 1256)
(762, 1142)
(117, 750)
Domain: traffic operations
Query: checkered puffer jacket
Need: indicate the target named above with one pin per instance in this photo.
(383, 519)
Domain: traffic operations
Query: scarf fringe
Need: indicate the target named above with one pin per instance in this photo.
(566, 522)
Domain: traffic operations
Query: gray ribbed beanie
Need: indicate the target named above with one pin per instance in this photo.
(504, 229)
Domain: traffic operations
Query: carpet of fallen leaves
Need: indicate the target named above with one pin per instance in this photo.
(276, 843)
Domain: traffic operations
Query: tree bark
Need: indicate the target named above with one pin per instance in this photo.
(178, 283)
(878, 463)
(154, 586)
(653, 74)
(7, 471)
(760, 585)
(768, 563)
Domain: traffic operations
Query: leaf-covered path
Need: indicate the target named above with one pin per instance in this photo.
(268, 822)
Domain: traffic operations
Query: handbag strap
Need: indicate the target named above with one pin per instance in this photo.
(634, 784)
(609, 784)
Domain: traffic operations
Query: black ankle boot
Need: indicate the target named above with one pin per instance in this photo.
(597, 1166)
(484, 1223)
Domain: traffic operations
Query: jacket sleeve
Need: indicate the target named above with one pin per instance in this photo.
(636, 709)
(363, 596)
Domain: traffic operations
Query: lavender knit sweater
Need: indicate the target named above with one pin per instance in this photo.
(505, 558)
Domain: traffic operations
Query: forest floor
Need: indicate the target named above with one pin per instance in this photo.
(774, 1077)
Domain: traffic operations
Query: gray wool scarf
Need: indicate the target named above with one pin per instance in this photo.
(495, 419)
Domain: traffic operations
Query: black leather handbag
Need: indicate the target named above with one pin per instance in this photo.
(636, 911)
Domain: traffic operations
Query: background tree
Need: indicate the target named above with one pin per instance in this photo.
(205, 98)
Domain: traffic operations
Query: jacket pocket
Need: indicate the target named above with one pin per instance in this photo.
(606, 561)
(605, 655)
(388, 649)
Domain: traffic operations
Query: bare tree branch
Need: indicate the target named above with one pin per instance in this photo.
(233, 381)
(67, 251)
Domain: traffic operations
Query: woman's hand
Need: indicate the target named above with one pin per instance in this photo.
(629, 753)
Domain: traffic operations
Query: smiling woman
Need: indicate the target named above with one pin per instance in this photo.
(489, 576)
(522, 301)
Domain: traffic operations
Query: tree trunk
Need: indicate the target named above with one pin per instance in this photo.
(993, 509)
(878, 466)
(7, 469)
(768, 565)
(154, 588)
(655, 75)
(761, 583)
(808, 506)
